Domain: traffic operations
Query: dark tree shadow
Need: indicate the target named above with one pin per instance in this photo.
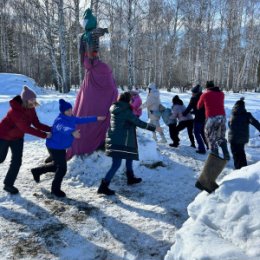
(135, 242)
(53, 236)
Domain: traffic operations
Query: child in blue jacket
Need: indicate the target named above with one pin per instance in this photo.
(63, 133)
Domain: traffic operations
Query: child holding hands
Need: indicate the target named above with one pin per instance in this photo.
(63, 133)
(21, 119)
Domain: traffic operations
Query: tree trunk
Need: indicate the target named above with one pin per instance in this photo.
(63, 49)
(130, 45)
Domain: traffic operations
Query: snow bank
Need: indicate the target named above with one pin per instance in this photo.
(12, 84)
(223, 225)
(80, 166)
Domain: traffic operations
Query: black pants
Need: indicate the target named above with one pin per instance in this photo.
(174, 134)
(16, 147)
(58, 165)
(239, 156)
(182, 125)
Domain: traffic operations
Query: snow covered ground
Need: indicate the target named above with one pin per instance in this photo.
(141, 222)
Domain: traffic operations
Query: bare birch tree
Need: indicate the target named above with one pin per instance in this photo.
(172, 42)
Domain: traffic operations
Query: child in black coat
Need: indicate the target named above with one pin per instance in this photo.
(238, 134)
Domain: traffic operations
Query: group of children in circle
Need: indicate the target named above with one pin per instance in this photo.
(208, 125)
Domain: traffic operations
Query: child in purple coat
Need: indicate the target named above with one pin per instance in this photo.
(63, 133)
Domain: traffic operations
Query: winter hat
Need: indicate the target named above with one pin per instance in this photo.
(210, 84)
(197, 89)
(240, 102)
(152, 86)
(125, 97)
(64, 106)
(90, 21)
(27, 94)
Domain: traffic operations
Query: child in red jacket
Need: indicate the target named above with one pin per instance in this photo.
(215, 128)
(14, 125)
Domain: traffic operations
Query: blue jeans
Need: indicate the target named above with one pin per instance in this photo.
(116, 162)
(199, 135)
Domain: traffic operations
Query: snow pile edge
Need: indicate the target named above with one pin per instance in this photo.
(224, 225)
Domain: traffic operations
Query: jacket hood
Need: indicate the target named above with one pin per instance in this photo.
(153, 88)
(119, 107)
(155, 94)
(16, 103)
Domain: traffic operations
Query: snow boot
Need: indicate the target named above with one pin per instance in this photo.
(163, 139)
(212, 169)
(11, 189)
(200, 152)
(103, 188)
(201, 187)
(155, 137)
(224, 148)
(36, 175)
(131, 179)
(174, 144)
(59, 193)
(36, 172)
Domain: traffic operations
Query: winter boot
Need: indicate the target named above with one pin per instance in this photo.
(103, 188)
(155, 137)
(131, 179)
(201, 187)
(224, 148)
(36, 172)
(36, 175)
(200, 152)
(59, 193)
(174, 144)
(163, 139)
(212, 169)
(11, 189)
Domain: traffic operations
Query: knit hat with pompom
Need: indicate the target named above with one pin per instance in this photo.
(240, 102)
(27, 94)
(64, 106)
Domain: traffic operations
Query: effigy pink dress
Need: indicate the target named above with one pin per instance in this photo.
(97, 93)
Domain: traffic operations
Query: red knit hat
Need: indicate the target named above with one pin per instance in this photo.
(27, 94)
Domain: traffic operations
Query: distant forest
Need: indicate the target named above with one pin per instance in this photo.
(175, 43)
